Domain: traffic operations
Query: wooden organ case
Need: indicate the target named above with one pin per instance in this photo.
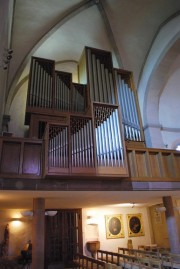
(84, 125)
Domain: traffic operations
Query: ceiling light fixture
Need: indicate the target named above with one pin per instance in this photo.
(50, 213)
(27, 213)
(160, 209)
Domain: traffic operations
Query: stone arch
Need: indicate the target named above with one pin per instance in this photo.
(163, 52)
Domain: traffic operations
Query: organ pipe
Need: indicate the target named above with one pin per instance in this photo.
(100, 79)
(82, 149)
(109, 146)
(41, 83)
(126, 100)
(49, 89)
(58, 146)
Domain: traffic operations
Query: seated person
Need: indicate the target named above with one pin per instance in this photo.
(27, 252)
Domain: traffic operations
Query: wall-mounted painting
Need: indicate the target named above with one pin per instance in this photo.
(114, 226)
(135, 225)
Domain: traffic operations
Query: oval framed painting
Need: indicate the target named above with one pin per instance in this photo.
(135, 225)
(114, 226)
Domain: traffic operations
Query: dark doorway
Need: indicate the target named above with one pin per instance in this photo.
(63, 237)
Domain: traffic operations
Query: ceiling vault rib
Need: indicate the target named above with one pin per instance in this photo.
(109, 32)
(164, 23)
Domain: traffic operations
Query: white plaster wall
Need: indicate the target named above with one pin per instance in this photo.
(17, 112)
(91, 233)
(20, 230)
(169, 109)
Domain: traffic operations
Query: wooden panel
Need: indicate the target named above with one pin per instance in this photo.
(154, 164)
(141, 164)
(132, 163)
(32, 158)
(176, 161)
(167, 165)
(10, 159)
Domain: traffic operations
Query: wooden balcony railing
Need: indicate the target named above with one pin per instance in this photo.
(150, 164)
(25, 158)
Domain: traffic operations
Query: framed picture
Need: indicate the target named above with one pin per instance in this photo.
(114, 226)
(135, 225)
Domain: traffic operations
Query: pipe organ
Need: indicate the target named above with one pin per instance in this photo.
(84, 125)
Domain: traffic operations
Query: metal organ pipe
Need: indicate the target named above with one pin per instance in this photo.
(62, 94)
(127, 103)
(96, 99)
(100, 80)
(58, 146)
(108, 138)
(105, 97)
(41, 84)
(90, 75)
(112, 89)
(82, 142)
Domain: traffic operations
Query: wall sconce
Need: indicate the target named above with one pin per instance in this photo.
(160, 209)
(92, 220)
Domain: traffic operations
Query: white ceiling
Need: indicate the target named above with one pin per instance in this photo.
(83, 199)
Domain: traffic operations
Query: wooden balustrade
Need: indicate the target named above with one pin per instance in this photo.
(84, 262)
(122, 260)
(150, 164)
(22, 157)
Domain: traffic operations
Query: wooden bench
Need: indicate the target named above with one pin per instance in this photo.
(154, 259)
(134, 259)
(170, 260)
(139, 252)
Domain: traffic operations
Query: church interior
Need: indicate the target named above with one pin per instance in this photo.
(89, 129)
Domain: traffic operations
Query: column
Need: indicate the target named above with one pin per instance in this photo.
(38, 233)
(172, 225)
